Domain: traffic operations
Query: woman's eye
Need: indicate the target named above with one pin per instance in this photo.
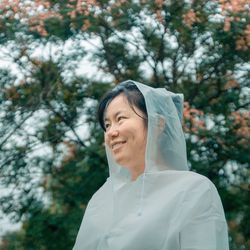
(119, 118)
(106, 125)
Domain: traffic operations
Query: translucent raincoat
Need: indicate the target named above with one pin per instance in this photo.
(165, 208)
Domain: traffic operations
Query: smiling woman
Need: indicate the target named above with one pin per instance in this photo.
(123, 116)
(150, 201)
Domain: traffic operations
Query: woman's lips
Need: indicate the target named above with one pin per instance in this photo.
(117, 145)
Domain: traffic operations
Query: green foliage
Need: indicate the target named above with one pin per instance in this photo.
(52, 156)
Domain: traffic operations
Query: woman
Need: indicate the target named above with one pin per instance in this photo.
(150, 201)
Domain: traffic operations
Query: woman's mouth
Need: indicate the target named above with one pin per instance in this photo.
(117, 145)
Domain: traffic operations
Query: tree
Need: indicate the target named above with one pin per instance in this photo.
(51, 145)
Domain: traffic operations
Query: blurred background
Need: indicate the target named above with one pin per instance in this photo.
(57, 58)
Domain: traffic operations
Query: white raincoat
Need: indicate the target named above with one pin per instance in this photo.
(165, 208)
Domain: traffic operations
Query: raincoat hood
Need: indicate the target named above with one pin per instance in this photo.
(166, 146)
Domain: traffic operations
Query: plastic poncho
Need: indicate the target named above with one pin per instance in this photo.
(165, 208)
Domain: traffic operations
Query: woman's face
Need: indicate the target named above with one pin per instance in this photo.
(126, 135)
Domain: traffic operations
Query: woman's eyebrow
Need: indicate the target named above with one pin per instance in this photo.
(114, 115)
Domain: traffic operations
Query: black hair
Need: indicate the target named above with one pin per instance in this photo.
(133, 95)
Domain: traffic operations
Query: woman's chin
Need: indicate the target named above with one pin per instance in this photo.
(121, 162)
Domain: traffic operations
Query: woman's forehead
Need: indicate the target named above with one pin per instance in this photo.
(118, 105)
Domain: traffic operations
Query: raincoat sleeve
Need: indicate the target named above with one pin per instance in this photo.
(206, 227)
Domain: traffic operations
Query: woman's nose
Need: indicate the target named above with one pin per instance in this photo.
(112, 132)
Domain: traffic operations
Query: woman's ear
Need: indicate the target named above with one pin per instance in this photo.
(161, 123)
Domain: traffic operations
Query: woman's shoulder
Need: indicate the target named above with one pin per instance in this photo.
(202, 191)
(185, 181)
(103, 191)
(198, 178)
(192, 185)
(193, 180)
(197, 184)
